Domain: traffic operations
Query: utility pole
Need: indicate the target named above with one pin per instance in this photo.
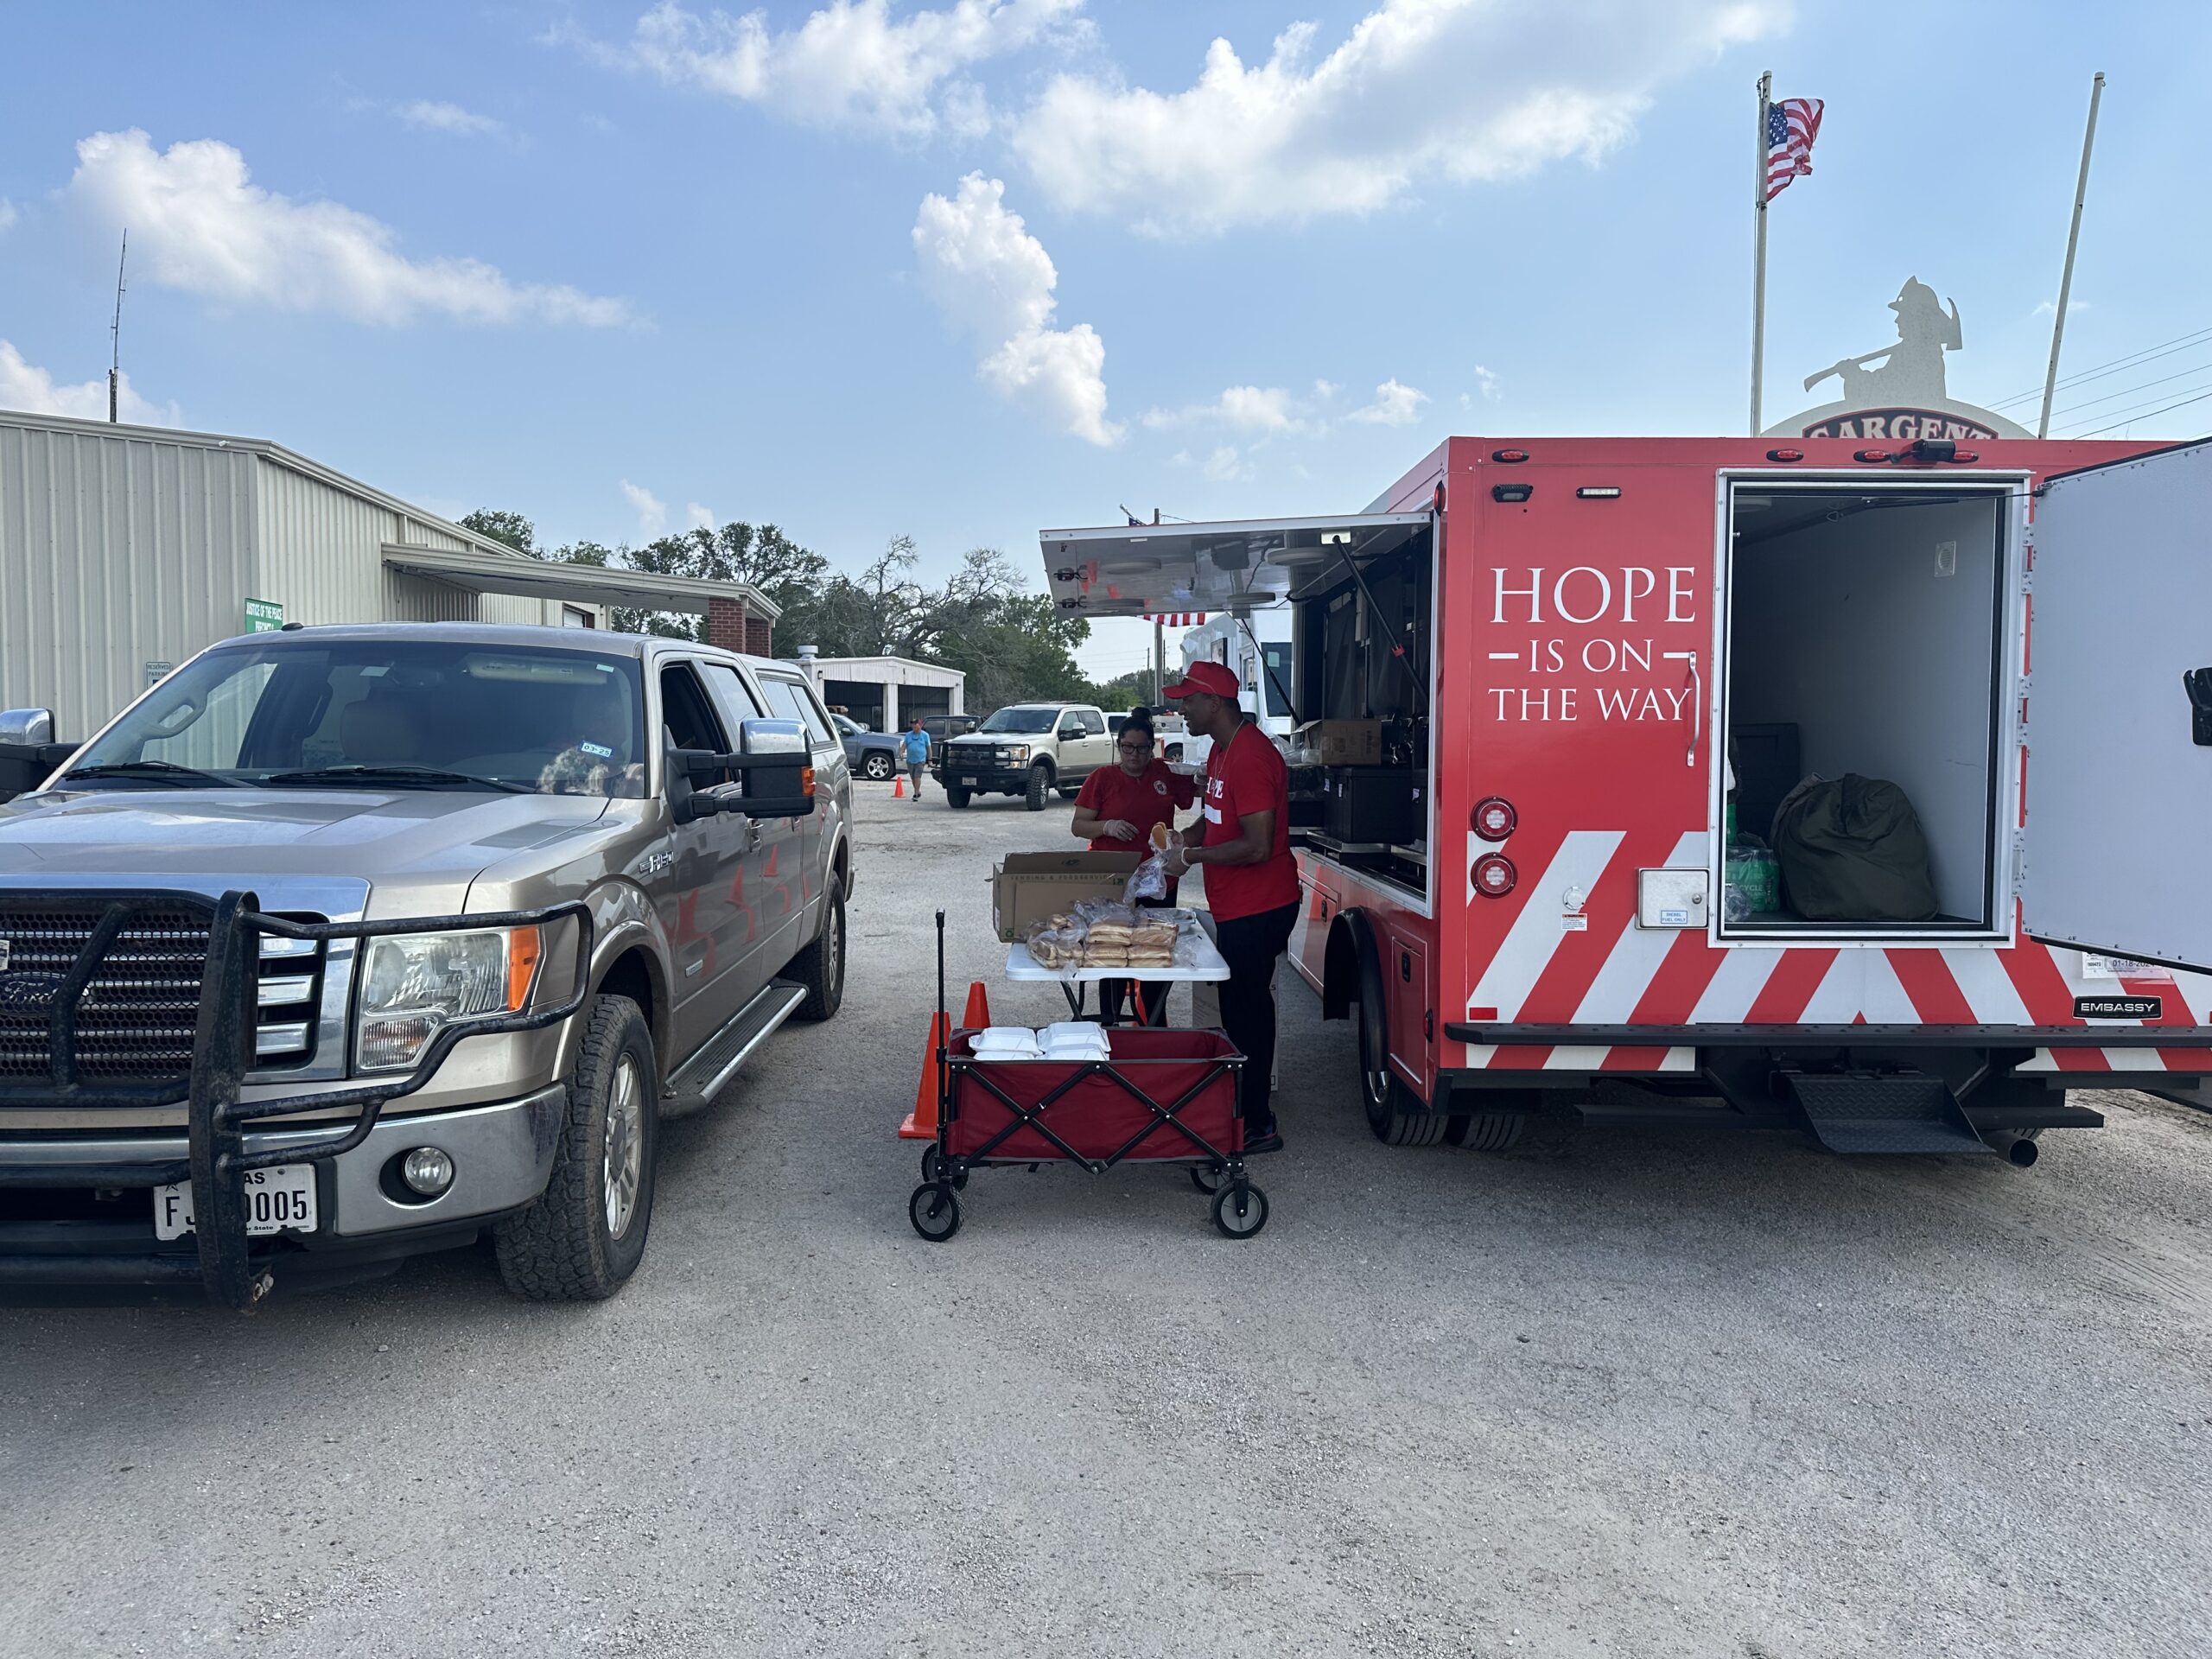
(115, 332)
(2073, 235)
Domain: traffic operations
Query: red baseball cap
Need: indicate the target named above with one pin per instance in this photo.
(1204, 677)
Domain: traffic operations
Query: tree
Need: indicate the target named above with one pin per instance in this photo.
(499, 525)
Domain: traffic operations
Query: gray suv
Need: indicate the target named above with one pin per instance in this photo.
(346, 944)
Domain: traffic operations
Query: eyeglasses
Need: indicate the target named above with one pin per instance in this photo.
(1144, 748)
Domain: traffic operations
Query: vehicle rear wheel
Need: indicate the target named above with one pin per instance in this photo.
(1487, 1131)
(821, 966)
(877, 766)
(585, 1234)
(1386, 1099)
(954, 796)
(1040, 780)
(1067, 791)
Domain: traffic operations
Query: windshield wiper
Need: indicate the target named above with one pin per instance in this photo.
(151, 772)
(394, 775)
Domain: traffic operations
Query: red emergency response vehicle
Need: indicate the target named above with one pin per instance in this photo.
(1547, 670)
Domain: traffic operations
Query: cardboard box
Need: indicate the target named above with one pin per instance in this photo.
(1030, 886)
(1343, 742)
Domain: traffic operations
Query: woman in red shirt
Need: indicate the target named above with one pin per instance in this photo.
(1115, 811)
(1117, 806)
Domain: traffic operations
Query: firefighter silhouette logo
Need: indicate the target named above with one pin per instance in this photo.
(1910, 371)
(1901, 390)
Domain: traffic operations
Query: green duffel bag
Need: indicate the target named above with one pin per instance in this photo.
(1853, 850)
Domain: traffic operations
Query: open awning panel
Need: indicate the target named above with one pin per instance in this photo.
(1233, 565)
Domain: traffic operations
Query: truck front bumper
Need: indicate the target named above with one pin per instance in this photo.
(1006, 780)
(502, 1156)
(503, 1152)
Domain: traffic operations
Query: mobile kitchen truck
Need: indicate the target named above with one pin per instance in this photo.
(1565, 661)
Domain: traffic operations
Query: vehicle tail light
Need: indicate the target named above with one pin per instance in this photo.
(1494, 818)
(1870, 454)
(1508, 455)
(1785, 454)
(1494, 875)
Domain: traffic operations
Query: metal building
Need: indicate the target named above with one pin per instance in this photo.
(882, 693)
(125, 550)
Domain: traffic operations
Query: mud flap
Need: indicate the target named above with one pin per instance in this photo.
(1885, 1114)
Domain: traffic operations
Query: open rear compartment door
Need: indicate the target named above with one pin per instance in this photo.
(2120, 711)
(1867, 625)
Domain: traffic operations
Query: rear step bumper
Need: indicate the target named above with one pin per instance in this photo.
(1882, 1114)
(1793, 1037)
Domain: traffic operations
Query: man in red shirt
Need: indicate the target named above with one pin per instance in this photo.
(1242, 842)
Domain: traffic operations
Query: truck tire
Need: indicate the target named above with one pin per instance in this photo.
(821, 966)
(585, 1235)
(1392, 1111)
(1488, 1131)
(1067, 792)
(877, 766)
(955, 798)
(1040, 780)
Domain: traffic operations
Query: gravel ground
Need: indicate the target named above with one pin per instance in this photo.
(1620, 1394)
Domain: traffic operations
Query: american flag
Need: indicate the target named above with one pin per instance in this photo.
(1177, 619)
(1792, 123)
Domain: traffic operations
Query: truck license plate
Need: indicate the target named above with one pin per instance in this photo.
(967, 783)
(277, 1200)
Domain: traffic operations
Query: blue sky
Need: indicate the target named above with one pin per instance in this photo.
(962, 268)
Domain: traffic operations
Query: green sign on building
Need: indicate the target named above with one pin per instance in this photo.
(263, 615)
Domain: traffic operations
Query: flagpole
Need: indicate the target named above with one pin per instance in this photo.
(2073, 237)
(1758, 254)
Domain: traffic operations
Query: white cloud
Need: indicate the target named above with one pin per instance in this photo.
(7, 214)
(1395, 404)
(849, 64)
(651, 511)
(1487, 383)
(2048, 309)
(28, 387)
(432, 115)
(199, 223)
(1265, 410)
(1420, 90)
(995, 281)
(697, 517)
(1225, 465)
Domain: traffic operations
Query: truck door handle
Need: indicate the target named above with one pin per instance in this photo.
(2198, 681)
(1697, 694)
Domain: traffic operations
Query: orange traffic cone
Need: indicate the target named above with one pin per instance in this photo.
(979, 1007)
(921, 1122)
(897, 785)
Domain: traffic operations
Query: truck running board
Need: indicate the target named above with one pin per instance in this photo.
(695, 1083)
(1884, 1114)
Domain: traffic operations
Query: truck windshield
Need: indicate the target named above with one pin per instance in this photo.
(1021, 720)
(295, 712)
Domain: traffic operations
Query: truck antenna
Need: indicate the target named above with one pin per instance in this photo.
(115, 331)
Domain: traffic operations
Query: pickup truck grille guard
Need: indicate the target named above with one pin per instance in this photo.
(217, 1120)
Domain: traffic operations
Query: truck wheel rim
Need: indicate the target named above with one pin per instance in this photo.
(833, 948)
(626, 1149)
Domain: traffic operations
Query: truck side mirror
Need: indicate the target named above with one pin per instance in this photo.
(776, 764)
(26, 728)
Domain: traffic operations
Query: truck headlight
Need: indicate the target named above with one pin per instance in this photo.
(1018, 754)
(414, 985)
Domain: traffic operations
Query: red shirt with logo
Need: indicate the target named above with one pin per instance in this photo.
(1247, 774)
(1151, 797)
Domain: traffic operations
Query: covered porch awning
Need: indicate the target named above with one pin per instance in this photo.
(1237, 565)
(577, 584)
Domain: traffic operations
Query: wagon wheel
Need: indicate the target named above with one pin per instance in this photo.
(935, 1213)
(933, 1170)
(1207, 1177)
(1239, 1212)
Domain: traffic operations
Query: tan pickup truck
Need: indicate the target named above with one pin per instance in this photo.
(342, 944)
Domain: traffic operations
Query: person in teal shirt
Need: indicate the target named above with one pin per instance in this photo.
(916, 742)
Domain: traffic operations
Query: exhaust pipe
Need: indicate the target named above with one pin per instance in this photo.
(2017, 1149)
